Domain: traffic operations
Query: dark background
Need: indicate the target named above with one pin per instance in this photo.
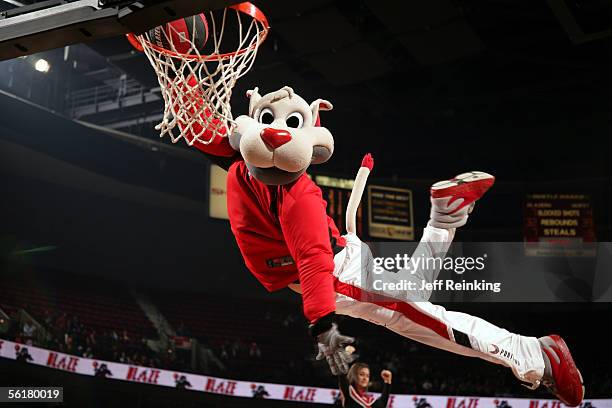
(431, 88)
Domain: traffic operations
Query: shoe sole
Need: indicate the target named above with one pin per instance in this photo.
(567, 356)
(469, 177)
(470, 186)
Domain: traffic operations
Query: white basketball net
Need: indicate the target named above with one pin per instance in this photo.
(197, 88)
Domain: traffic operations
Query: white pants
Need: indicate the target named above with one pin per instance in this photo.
(425, 322)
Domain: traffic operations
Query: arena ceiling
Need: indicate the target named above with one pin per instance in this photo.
(426, 76)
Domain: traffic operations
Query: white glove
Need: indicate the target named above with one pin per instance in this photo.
(331, 346)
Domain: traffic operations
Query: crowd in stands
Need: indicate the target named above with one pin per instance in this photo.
(418, 369)
(67, 334)
(282, 352)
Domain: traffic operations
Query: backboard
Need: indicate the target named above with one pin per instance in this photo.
(55, 23)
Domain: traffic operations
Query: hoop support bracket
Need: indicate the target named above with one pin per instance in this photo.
(26, 30)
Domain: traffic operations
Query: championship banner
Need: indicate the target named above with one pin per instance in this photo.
(336, 192)
(249, 389)
(217, 193)
(559, 224)
(390, 213)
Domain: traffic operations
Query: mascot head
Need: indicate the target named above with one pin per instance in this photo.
(281, 136)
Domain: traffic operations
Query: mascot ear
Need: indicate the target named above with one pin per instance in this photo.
(254, 96)
(316, 106)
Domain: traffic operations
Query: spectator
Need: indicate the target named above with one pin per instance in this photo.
(236, 347)
(354, 386)
(48, 318)
(88, 353)
(224, 354)
(254, 350)
(28, 330)
(183, 331)
(289, 320)
(124, 337)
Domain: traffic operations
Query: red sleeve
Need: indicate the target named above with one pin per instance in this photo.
(218, 147)
(220, 144)
(304, 224)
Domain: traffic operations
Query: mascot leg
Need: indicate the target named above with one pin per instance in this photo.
(427, 323)
(451, 203)
(410, 314)
(456, 332)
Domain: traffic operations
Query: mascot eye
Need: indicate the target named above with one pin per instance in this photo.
(266, 116)
(295, 120)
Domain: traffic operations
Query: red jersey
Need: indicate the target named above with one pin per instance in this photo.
(283, 232)
(285, 235)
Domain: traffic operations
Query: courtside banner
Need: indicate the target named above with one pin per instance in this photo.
(201, 383)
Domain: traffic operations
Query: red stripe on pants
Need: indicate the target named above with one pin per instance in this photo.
(404, 308)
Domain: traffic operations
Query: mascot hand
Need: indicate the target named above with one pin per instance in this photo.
(331, 346)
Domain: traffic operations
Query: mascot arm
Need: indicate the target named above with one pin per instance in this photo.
(219, 146)
(304, 223)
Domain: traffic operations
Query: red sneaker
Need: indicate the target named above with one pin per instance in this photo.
(561, 376)
(467, 186)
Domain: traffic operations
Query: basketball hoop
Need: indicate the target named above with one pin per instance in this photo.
(198, 61)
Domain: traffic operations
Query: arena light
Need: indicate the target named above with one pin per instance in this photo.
(42, 65)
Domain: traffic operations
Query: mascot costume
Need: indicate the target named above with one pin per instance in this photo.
(278, 217)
